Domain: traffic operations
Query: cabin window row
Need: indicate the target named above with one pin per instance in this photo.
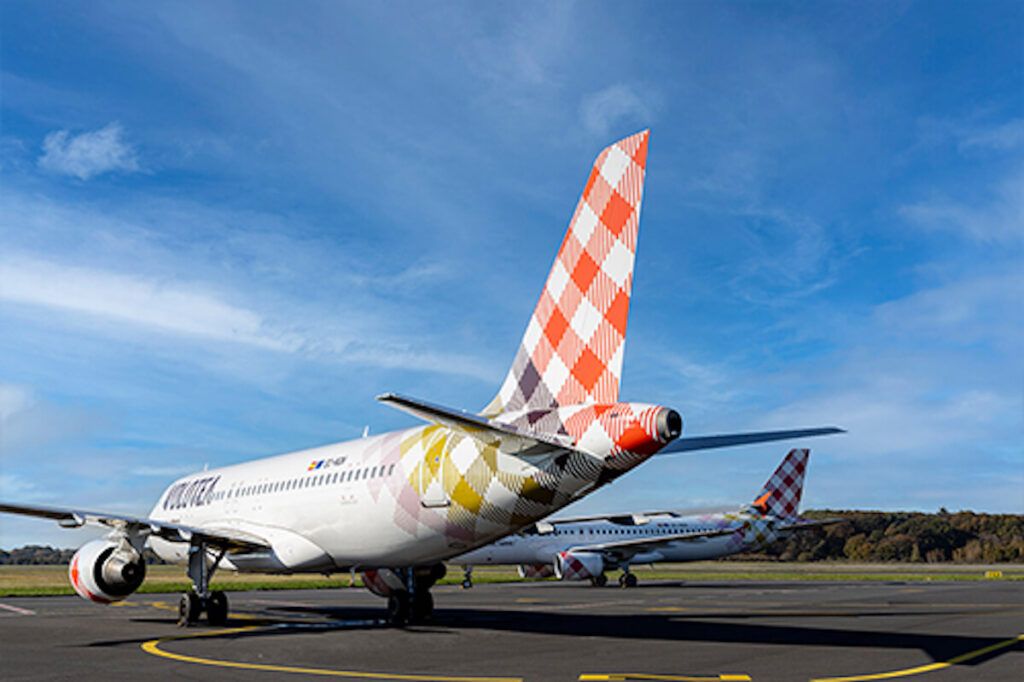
(309, 481)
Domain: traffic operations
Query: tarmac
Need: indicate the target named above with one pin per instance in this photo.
(706, 630)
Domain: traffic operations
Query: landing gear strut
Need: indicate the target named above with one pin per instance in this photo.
(414, 604)
(200, 598)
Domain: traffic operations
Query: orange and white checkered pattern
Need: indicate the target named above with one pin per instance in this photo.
(572, 350)
(781, 494)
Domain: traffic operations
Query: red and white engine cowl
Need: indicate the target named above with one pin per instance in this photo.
(382, 582)
(106, 571)
(578, 565)
(536, 570)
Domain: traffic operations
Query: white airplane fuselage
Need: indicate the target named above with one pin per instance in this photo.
(408, 497)
(749, 532)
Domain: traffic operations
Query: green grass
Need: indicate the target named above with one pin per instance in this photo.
(22, 581)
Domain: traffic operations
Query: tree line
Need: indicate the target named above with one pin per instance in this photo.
(961, 537)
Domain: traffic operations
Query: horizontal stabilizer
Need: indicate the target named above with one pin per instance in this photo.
(505, 437)
(729, 440)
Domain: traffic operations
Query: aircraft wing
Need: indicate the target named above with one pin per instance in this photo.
(505, 437)
(624, 549)
(229, 539)
(548, 525)
(809, 524)
(690, 443)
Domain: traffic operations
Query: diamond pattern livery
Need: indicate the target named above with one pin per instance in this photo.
(572, 350)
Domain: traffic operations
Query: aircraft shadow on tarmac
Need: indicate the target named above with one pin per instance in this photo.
(691, 627)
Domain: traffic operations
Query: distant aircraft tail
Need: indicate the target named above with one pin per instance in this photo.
(781, 494)
(572, 350)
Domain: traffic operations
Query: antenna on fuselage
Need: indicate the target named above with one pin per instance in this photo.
(366, 431)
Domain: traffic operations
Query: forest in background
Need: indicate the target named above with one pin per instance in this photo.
(914, 537)
(862, 536)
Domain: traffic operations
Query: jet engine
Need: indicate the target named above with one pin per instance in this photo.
(384, 582)
(536, 570)
(106, 571)
(578, 565)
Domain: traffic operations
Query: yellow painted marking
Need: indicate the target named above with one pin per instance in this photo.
(931, 667)
(153, 647)
(993, 574)
(617, 677)
(668, 608)
(529, 600)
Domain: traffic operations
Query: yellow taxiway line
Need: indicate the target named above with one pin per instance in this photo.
(621, 677)
(153, 647)
(931, 667)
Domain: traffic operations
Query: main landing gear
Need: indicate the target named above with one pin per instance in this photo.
(599, 580)
(199, 599)
(467, 578)
(414, 604)
(627, 579)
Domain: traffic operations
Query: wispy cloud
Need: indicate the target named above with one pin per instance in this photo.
(14, 399)
(173, 307)
(601, 111)
(995, 221)
(88, 154)
(1002, 137)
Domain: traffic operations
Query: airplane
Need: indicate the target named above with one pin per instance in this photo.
(583, 548)
(395, 506)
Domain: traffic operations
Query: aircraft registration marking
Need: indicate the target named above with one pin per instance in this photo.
(931, 667)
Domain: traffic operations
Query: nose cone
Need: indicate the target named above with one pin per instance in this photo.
(669, 425)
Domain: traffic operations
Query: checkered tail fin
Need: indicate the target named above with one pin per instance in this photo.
(572, 350)
(781, 494)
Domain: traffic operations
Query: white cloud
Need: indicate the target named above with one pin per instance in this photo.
(88, 154)
(13, 400)
(174, 307)
(165, 471)
(997, 222)
(601, 110)
(1009, 135)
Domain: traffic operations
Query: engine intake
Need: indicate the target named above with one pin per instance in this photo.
(106, 571)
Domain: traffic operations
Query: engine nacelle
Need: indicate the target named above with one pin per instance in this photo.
(106, 571)
(384, 581)
(578, 565)
(536, 570)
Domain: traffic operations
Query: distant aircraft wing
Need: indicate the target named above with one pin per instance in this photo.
(809, 524)
(505, 437)
(229, 539)
(623, 549)
(690, 443)
(548, 525)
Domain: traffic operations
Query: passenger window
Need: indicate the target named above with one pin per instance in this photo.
(391, 470)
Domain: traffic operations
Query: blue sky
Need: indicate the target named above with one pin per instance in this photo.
(226, 227)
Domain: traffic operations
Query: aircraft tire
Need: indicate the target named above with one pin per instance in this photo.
(423, 607)
(599, 580)
(189, 608)
(629, 581)
(398, 608)
(217, 608)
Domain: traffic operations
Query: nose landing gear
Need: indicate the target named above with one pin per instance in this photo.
(199, 599)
